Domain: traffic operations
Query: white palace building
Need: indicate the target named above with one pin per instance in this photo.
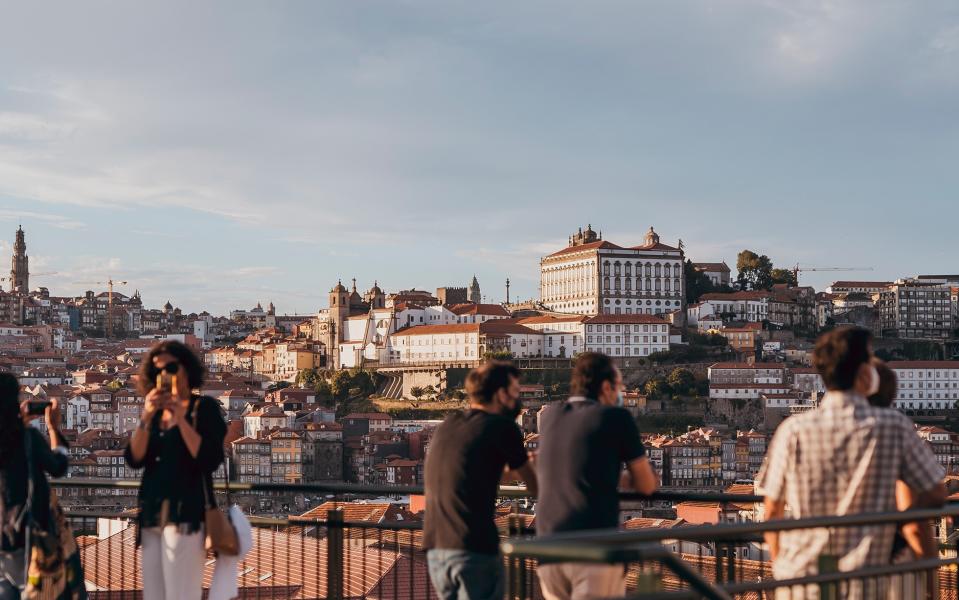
(593, 276)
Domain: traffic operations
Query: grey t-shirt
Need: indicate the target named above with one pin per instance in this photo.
(583, 445)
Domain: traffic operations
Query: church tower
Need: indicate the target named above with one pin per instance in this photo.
(331, 332)
(19, 269)
(475, 296)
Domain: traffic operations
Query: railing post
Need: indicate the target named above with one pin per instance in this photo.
(334, 554)
(515, 565)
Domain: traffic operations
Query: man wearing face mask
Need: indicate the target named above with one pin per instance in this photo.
(584, 443)
(843, 458)
(465, 463)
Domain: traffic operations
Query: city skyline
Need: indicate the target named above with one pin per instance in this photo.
(275, 149)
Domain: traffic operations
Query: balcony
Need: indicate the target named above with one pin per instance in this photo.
(341, 553)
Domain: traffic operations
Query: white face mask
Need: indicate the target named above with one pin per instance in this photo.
(873, 381)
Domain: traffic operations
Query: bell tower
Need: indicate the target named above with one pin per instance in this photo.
(19, 268)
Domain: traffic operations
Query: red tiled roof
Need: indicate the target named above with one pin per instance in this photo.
(647, 523)
(281, 565)
(479, 309)
(923, 364)
(373, 512)
(654, 247)
(590, 246)
(552, 319)
(720, 266)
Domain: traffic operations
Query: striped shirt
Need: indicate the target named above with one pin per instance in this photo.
(843, 458)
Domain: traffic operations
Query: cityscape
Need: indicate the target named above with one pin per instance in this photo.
(714, 358)
(523, 301)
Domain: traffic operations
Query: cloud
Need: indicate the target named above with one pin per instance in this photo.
(21, 127)
(52, 220)
(429, 140)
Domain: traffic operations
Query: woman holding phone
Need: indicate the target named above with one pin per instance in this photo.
(46, 458)
(179, 444)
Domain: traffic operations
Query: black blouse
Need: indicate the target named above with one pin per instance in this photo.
(13, 483)
(171, 473)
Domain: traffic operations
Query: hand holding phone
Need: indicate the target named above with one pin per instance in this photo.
(37, 408)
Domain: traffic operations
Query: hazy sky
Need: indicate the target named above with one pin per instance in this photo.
(220, 153)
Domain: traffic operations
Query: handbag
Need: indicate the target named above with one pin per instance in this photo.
(221, 535)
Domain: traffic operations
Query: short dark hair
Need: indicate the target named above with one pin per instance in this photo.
(590, 370)
(888, 385)
(483, 382)
(146, 378)
(839, 354)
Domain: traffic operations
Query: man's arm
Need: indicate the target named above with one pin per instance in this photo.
(773, 509)
(642, 477)
(527, 474)
(918, 534)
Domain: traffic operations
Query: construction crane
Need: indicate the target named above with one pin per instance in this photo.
(109, 283)
(797, 269)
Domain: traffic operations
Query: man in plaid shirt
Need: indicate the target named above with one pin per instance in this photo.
(843, 458)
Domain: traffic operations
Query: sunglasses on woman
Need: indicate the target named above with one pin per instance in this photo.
(171, 367)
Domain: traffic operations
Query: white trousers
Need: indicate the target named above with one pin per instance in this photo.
(172, 564)
(579, 581)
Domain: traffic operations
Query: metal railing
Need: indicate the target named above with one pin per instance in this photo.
(659, 563)
(335, 555)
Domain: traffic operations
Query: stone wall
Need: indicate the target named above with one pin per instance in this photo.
(738, 413)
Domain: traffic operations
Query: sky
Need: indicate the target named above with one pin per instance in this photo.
(221, 154)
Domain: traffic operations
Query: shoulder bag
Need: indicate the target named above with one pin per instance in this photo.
(221, 536)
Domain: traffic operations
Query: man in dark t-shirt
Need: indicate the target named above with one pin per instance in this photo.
(466, 460)
(584, 443)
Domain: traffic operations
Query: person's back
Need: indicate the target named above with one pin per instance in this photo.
(464, 465)
(843, 458)
(584, 443)
(463, 469)
(583, 447)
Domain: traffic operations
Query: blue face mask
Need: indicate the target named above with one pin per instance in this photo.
(619, 399)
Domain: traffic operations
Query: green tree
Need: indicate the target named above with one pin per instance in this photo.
(681, 381)
(753, 271)
(697, 282)
(459, 395)
(417, 392)
(656, 388)
(307, 378)
(429, 391)
(341, 383)
(787, 276)
(324, 392)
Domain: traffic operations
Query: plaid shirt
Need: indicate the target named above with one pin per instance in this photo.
(843, 458)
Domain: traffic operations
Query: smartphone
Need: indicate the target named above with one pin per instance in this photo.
(166, 382)
(37, 407)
